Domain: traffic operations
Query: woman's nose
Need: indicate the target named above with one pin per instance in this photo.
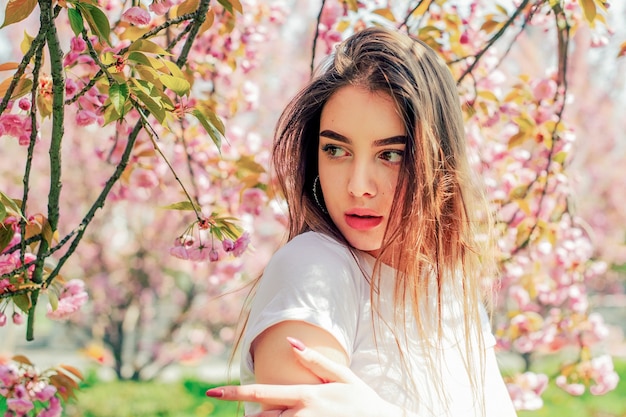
(361, 181)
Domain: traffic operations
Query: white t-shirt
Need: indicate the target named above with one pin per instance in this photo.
(317, 280)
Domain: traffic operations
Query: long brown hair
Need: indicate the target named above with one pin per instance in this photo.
(434, 235)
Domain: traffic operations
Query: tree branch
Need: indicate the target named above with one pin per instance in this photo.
(316, 36)
(493, 40)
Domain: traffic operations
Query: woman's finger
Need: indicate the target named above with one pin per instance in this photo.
(323, 367)
(279, 395)
(272, 413)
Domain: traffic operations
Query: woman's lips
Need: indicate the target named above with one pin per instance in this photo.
(361, 219)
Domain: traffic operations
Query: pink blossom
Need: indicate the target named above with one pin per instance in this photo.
(86, 117)
(46, 393)
(16, 125)
(572, 389)
(70, 59)
(161, 7)
(199, 253)
(228, 245)
(72, 298)
(20, 406)
(77, 44)
(54, 410)
(214, 255)
(18, 318)
(520, 295)
(179, 252)
(526, 390)
(8, 374)
(597, 329)
(331, 14)
(3, 319)
(464, 39)
(241, 244)
(21, 403)
(144, 178)
(604, 374)
(544, 89)
(70, 88)
(5, 284)
(137, 16)
(24, 104)
(252, 201)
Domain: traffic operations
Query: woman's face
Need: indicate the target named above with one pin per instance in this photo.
(361, 144)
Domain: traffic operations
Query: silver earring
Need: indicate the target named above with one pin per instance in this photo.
(317, 201)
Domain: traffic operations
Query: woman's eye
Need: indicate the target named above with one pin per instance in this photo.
(392, 156)
(333, 151)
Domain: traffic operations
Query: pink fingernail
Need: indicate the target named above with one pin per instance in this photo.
(215, 393)
(296, 343)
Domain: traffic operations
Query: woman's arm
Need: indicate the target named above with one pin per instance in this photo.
(274, 362)
(343, 393)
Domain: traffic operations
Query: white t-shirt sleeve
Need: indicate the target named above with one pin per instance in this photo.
(310, 279)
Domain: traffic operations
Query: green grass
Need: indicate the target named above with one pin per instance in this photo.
(148, 399)
(187, 399)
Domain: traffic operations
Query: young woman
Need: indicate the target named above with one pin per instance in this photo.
(381, 275)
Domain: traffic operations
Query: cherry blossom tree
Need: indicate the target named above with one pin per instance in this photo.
(137, 192)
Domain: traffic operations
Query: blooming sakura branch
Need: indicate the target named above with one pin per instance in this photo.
(31, 392)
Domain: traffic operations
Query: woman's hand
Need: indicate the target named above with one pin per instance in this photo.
(342, 394)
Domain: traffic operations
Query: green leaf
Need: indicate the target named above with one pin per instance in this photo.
(247, 162)
(10, 205)
(174, 70)
(6, 234)
(3, 212)
(23, 87)
(216, 121)
(53, 298)
(118, 94)
(97, 21)
(589, 10)
(110, 115)
(47, 232)
(155, 108)
(7, 66)
(177, 85)
(17, 10)
(386, 13)
(182, 205)
(76, 21)
(23, 301)
(226, 4)
(149, 74)
(231, 5)
(186, 7)
(139, 58)
(208, 126)
(150, 47)
(353, 4)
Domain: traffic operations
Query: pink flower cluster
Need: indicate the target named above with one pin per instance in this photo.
(160, 7)
(597, 373)
(526, 389)
(187, 247)
(327, 33)
(137, 16)
(27, 392)
(72, 298)
(9, 262)
(17, 318)
(17, 126)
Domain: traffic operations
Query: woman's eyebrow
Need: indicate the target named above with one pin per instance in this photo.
(393, 140)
